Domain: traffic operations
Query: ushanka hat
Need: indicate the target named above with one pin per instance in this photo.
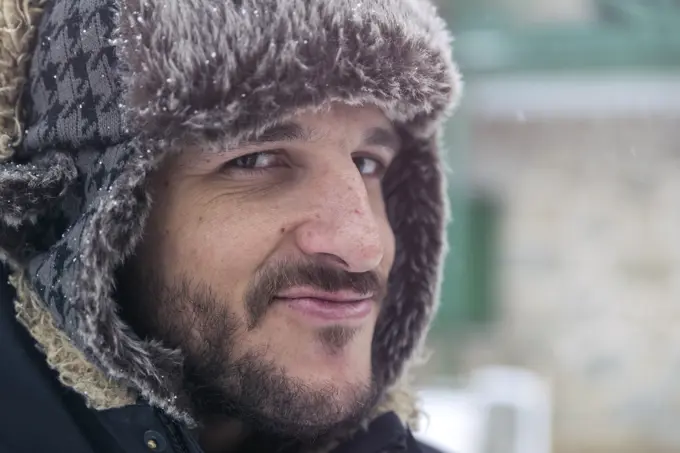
(95, 93)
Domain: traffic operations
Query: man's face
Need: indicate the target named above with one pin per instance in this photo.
(267, 265)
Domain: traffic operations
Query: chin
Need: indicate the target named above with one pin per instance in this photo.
(328, 363)
(340, 372)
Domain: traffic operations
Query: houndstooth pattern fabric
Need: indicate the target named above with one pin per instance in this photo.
(75, 109)
(54, 270)
(73, 85)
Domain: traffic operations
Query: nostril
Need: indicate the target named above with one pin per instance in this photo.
(334, 259)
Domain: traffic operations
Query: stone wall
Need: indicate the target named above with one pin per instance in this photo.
(590, 272)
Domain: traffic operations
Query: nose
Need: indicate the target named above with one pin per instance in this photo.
(341, 225)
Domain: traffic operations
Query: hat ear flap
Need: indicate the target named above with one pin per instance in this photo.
(18, 23)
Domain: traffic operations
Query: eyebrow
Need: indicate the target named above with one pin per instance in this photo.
(377, 136)
(284, 132)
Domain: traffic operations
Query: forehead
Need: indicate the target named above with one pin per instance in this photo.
(337, 123)
(351, 115)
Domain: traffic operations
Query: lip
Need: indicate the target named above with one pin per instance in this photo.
(345, 296)
(321, 310)
(327, 306)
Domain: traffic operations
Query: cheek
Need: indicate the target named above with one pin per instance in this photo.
(220, 245)
(386, 231)
(389, 245)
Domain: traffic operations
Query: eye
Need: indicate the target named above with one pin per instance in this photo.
(254, 161)
(369, 166)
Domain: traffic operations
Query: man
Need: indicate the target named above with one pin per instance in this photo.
(221, 222)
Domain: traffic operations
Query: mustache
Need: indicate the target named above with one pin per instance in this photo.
(283, 275)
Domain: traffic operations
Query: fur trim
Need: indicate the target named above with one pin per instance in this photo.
(110, 235)
(400, 399)
(74, 370)
(18, 20)
(234, 68)
(418, 218)
(30, 189)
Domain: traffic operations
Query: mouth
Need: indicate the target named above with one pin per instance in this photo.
(327, 306)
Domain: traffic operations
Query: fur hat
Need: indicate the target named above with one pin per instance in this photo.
(110, 87)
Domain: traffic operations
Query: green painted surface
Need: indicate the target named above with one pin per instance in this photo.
(623, 34)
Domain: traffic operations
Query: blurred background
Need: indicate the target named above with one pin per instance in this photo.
(559, 326)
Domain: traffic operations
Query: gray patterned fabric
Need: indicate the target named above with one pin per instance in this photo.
(75, 93)
(73, 202)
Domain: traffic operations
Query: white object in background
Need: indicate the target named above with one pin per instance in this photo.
(451, 420)
(516, 410)
(503, 410)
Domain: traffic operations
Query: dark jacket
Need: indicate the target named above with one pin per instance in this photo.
(39, 414)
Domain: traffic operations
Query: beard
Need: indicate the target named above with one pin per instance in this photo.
(250, 387)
